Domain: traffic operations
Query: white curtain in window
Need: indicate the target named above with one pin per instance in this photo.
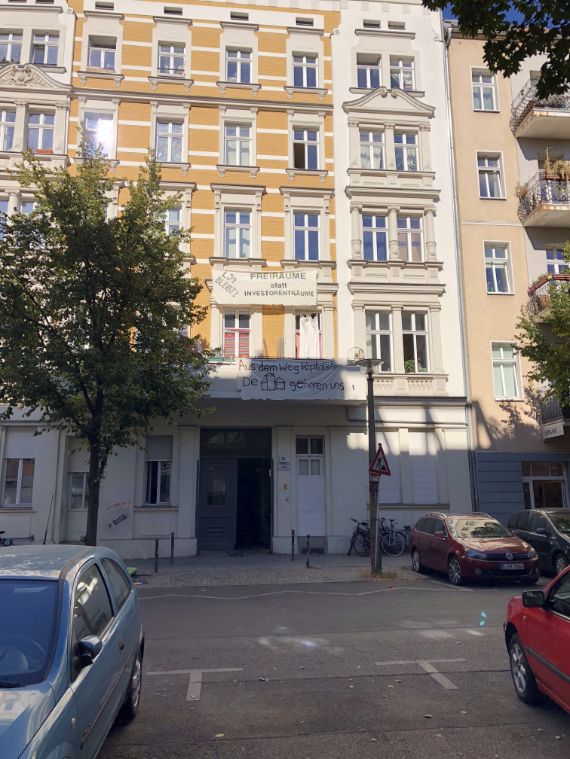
(309, 336)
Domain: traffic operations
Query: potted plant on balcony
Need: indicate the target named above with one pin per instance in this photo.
(410, 366)
(521, 190)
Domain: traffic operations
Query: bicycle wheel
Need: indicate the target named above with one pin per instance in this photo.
(393, 545)
(6, 542)
(361, 545)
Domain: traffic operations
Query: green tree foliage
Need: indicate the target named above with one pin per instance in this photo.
(516, 29)
(544, 339)
(93, 312)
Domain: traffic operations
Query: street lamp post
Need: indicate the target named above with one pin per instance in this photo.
(375, 555)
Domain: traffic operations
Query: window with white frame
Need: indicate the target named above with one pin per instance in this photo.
(497, 268)
(305, 70)
(410, 238)
(169, 141)
(556, 262)
(368, 71)
(98, 131)
(10, 47)
(505, 371)
(308, 337)
(78, 491)
(306, 236)
(402, 73)
(544, 485)
(101, 53)
(415, 341)
(490, 180)
(7, 123)
(237, 233)
(484, 88)
(306, 149)
(44, 48)
(406, 151)
(172, 223)
(237, 333)
(158, 470)
(18, 481)
(379, 338)
(171, 58)
(237, 144)
(374, 237)
(40, 131)
(238, 66)
(28, 206)
(371, 149)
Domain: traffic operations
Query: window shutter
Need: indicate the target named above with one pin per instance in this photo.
(20, 444)
(424, 467)
(243, 336)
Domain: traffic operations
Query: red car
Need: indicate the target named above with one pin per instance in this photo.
(471, 546)
(537, 634)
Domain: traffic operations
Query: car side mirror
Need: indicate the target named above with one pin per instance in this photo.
(534, 599)
(541, 530)
(440, 534)
(88, 649)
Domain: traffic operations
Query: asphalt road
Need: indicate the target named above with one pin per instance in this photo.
(368, 669)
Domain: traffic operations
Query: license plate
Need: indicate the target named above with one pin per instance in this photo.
(512, 566)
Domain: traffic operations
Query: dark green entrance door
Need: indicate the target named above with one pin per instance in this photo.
(217, 504)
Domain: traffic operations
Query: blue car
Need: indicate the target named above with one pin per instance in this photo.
(71, 650)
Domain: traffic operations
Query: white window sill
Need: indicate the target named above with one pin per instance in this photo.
(486, 110)
(170, 79)
(488, 293)
(100, 74)
(223, 86)
(293, 171)
(28, 508)
(291, 90)
(184, 167)
(156, 507)
(223, 168)
(484, 197)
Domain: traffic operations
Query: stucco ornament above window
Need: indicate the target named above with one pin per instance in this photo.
(29, 76)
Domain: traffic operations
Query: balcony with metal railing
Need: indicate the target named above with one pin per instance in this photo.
(540, 291)
(544, 201)
(540, 118)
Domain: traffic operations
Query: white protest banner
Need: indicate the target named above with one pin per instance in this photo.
(271, 288)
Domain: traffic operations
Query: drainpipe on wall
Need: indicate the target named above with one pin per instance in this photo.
(446, 30)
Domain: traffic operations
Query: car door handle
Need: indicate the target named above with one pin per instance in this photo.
(121, 645)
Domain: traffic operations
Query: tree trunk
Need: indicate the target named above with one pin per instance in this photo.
(94, 485)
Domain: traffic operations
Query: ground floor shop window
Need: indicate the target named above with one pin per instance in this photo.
(544, 485)
(158, 466)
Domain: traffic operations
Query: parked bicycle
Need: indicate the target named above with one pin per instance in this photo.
(5, 541)
(392, 540)
(360, 541)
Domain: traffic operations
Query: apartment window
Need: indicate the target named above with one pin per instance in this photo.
(402, 73)
(172, 224)
(497, 268)
(238, 66)
(505, 371)
(306, 236)
(305, 148)
(415, 341)
(78, 490)
(379, 338)
(374, 237)
(98, 133)
(490, 183)
(368, 71)
(410, 242)
(28, 206)
(406, 150)
(44, 48)
(544, 485)
(40, 131)
(171, 59)
(237, 144)
(7, 122)
(18, 482)
(237, 233)
(158, 469)
(484, 90)
(237, 331)
(169, 141)
(308, 338)
(102, 53)
(305, 70)
(556, 262)
(371, 149)
(10, 47)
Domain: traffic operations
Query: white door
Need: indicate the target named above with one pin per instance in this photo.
(311, 518)
(76, 516)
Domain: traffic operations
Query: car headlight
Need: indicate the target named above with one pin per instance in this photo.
(532, 554)
(471, 553)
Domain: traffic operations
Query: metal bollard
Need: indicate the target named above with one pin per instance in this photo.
(156, 556)
(172, 548)
(292, 545)
(308, 562)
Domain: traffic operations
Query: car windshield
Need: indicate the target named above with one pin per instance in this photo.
(561, 522)
(27, 629)
(477, 528)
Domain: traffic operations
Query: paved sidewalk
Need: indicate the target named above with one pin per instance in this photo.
(253, 568)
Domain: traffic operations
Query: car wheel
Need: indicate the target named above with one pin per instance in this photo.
(132, 699)
(559, 563)
(417, 566)
(523, 679)
(454, 571)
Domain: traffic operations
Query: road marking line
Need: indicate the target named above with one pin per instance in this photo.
(428, 667)
(195, 682)
(143, 597)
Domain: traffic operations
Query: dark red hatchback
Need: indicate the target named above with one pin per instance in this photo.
(471, 546)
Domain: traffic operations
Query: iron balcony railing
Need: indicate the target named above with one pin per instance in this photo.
(539, 190)
(527, 99)
(539, 291)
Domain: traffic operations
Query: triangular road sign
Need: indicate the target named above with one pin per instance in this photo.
(379, 463)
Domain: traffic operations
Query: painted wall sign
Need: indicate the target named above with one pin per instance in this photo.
(287, 288)
(116, 520)
(303, 379)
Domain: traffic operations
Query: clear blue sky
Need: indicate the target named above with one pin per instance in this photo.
(447, 13)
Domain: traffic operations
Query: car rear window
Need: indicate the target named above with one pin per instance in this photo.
(120, 584)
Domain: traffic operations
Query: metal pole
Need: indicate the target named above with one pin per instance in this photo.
(308, 564)
(292, 545)
(375, 555)
(156, 556)
(172, 548)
